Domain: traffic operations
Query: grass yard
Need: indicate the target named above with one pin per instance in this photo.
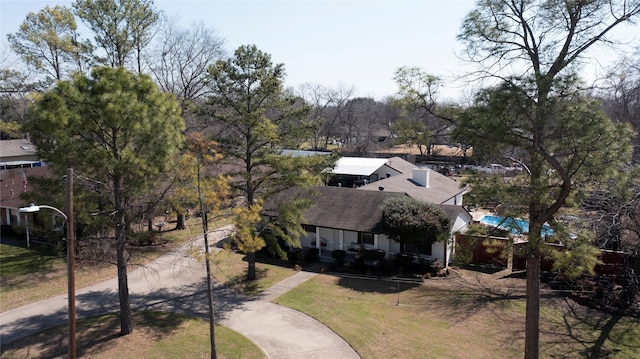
(157, 335)
(467, 315)
(29, 275)
(230, 268)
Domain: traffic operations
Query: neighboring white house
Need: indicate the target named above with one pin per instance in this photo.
(359, 171)
(420, 183)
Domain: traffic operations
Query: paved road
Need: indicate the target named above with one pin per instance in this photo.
(176, 282)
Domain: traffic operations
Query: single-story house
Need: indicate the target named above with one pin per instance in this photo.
(346, 218)
(351, 219)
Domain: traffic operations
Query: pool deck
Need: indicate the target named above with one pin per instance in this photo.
(477, 214)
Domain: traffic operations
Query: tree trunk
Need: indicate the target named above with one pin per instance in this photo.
(180, 225)
(123, 283)
(532, 329)
(251, 260)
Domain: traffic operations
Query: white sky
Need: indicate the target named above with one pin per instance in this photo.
(333, 43)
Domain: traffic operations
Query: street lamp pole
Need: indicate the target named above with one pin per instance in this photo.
(71, 288)
(71, 255)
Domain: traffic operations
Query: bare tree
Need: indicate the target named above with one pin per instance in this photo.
(425, 122)
(360, 120)
(179, 62)
(621, 96)
(319, 98)
(334, 113)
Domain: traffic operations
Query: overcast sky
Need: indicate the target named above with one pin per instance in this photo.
(333, 43)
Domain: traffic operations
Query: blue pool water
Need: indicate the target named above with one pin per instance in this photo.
(513, 225)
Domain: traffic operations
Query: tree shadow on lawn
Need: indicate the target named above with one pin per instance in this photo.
(464, 293)
(94, 334)
(272, 260)
(597, 334)
(567, 329)
(381, 285)
(239, 284)
(96, 306)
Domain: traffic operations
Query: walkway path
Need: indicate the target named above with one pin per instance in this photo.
(176, 282)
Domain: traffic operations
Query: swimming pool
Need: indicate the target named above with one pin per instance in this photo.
(513, 225)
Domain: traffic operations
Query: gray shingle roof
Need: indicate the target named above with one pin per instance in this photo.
(350, 209)
(441, 188)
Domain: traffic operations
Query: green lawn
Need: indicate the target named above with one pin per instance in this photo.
(454, 318)
(28, 275)
(16, 261)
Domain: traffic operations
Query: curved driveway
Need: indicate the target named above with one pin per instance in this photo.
(176, 282)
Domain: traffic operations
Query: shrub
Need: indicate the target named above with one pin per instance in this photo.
(144, 238)
(312, 254)
(339, 255)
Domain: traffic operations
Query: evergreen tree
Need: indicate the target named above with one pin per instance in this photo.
(118, 129)
(255, 118)
(534, 44)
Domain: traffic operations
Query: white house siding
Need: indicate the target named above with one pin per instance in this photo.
(339, 239)
(442, 251)
(459, 225)
(450, 201)
(458, 200)
(393, 247)
(382, 172)
(454, 201)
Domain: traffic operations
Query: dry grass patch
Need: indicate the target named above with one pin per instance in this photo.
(157, 335)
(467, 315)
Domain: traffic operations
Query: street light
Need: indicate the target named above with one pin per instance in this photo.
(71, 290)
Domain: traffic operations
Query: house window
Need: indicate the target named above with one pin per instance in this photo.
(309, 228)
(412, 248)
(365, 238)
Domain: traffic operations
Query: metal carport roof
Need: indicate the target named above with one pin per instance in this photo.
(358, 166)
